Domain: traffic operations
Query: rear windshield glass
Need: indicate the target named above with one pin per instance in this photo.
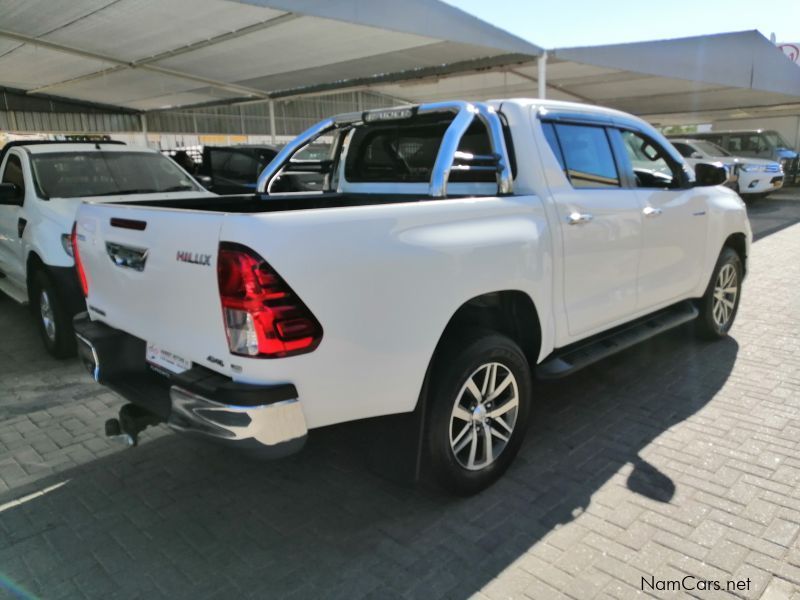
(404, 151)
(74, 174)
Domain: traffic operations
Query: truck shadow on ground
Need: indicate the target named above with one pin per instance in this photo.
(771, 215)
(178, 519)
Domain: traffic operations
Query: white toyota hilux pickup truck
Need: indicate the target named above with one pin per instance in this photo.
(42, 183)
(457, 251)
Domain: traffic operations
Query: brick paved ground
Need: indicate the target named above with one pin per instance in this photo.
(675, 458)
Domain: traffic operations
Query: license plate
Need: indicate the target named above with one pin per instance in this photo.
(166, 360)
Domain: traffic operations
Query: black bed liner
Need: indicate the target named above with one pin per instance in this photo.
(254, 203)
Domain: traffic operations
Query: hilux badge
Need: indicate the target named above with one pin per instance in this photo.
(194, 258)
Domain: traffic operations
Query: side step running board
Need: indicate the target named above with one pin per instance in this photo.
(574, 357)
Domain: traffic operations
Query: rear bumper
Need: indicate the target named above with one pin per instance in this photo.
(263, 420)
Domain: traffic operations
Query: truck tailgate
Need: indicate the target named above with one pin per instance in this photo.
(152, 273)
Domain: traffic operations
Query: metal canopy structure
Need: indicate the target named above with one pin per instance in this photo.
(154, 54)
(685, 80)
(151, 55)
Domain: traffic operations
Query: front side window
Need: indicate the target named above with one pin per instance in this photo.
(13, 173)
(775, 140)
(585, 154)
(711, 149)
(652, 166)
(685, 150)
(73, 174)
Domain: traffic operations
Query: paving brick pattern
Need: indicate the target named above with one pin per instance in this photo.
(675, 458)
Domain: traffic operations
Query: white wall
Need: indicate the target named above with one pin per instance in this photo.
(788, 127)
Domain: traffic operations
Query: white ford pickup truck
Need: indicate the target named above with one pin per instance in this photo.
(457, 250)
(42, 183)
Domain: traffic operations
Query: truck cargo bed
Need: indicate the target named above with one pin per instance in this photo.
(254, 203)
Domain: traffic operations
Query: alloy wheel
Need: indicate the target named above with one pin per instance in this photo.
(726, 288)
(484, 415)
(48, 318)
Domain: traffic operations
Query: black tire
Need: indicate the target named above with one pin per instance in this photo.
(709, 325)
(59, 338)
(455, 364)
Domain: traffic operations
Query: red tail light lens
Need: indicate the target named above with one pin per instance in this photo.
(77, 258)
(263, 316)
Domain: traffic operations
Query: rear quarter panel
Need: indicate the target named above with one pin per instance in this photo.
(384, 281)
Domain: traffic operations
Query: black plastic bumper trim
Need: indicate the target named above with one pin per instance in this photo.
(123, 368)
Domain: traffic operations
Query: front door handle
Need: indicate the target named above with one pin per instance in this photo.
(650, 211)
(576, 218)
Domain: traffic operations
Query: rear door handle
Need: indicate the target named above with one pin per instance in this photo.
(576, 218)
(650, 211)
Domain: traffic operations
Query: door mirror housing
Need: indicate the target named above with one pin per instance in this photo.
(708, 174)
(696, 154)
(10, 194)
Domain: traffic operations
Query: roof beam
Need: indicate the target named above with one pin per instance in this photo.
(120, 64)
(550, 84)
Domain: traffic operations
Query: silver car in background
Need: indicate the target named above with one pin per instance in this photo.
(750, 177)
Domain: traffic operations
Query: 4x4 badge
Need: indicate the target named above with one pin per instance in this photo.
(194, 258)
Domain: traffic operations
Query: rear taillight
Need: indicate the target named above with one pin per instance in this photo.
(78, 264)
(263, 316)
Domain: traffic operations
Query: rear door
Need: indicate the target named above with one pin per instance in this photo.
(601, 228)
(152, 273)
(674, 220)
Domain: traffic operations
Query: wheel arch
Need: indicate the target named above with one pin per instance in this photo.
(738, 243)
(33, 264)
(509, 312)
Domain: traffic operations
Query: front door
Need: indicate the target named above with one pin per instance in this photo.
(674, 223)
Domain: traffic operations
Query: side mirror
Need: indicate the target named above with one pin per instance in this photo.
(10, 194)
(696, 155)
(707, 174)
(204, 180)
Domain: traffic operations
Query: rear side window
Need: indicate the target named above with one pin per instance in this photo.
(585, 154)
(405, 151)
(746, 142)
(552, 140)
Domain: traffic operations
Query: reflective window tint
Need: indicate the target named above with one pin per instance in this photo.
(13, 173)
(550, 134)
(651, 167)
(587, 156)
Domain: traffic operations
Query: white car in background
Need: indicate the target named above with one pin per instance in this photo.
(752, 177)
(42, 184)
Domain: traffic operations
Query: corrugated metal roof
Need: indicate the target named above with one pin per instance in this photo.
(150, 54)
(669, 81)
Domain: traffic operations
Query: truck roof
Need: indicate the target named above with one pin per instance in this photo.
(83, 147)
(552, 105)
(36, 146)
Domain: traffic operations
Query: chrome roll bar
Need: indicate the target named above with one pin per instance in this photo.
(445, 163)
(289, 150)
